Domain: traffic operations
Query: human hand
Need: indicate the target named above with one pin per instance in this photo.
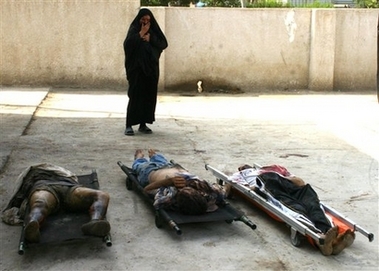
(179, 182)
(146, 37)
(144, 29)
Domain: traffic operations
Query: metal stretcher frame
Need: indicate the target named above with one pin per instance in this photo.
(64, 225)
(298, 230)
(225, 212)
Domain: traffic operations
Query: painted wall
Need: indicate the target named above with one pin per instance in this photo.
(65, 42)
(79, 44)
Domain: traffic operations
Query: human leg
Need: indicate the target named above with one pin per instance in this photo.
(42, 203)
(129, 130)
(150, 90)
(142, 167)
(157, 158)
(96, 202)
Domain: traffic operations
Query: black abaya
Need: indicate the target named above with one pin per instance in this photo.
(142, 70)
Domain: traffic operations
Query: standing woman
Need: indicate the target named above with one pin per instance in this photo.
(143, 46)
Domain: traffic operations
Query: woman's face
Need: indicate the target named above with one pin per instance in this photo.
(144, 20)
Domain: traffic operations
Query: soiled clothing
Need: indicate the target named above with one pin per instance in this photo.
(142, 69)
(303, 199)
(283, 187)
(165, 196)
(144, 167)
(54, 179)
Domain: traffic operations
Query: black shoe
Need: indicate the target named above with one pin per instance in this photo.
(144, 129)
(129, 131)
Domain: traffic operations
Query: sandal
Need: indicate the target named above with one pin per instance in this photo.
(129, 131)
(144, 129)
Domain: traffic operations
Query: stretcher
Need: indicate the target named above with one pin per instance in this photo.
(300, 227)
(65, 226)
(173, 219)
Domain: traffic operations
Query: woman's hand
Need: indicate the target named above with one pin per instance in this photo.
(146, 37)
(144, 29)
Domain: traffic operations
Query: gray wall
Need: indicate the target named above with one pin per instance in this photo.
(64, 43)
(79, 44)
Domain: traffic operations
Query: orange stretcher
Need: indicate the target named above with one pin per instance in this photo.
(300, 228)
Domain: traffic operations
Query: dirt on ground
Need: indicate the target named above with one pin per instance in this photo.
(330, 140)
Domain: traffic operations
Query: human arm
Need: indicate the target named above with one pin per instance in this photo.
(177, 181)
(246, 166)
(158, 41)
(296, 180)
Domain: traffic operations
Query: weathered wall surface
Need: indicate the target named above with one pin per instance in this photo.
(65, 42)
(241, 48)
(79, 44)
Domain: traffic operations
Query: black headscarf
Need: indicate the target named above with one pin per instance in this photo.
(141, 54)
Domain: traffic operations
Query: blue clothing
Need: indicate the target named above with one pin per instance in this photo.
(144, 167)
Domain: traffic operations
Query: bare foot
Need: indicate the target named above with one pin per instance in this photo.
(151, 152)
(330, 236)
(343, 241)
(138, 154)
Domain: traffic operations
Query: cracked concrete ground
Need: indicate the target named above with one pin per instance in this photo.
(330, 140)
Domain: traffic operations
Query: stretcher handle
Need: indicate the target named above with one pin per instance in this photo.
(124, 168)
(248, 222)
(108, 240)
(21, 246)
(22, 243)
(170, 221)
(272, 208)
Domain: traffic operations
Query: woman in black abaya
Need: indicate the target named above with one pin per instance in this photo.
(143, 46)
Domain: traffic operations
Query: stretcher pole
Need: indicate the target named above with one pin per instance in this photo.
(348, 222)
(21, 246)
(172, 224)
(337, 214)
(160, 213)
(296, 227)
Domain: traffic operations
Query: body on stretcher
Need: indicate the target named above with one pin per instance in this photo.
(225, 212)
(300, 225)
(65, 225)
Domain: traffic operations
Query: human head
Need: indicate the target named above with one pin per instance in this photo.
(191, 202)
(144, 20)
(143, 13)
(144, 16)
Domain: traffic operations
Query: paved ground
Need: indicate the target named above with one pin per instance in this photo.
(330, 140)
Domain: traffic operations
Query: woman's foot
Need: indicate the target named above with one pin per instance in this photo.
(138, 154)
(144, 129)
(129, 131)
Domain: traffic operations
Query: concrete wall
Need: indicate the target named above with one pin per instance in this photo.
(64, 42)
(79, 44)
